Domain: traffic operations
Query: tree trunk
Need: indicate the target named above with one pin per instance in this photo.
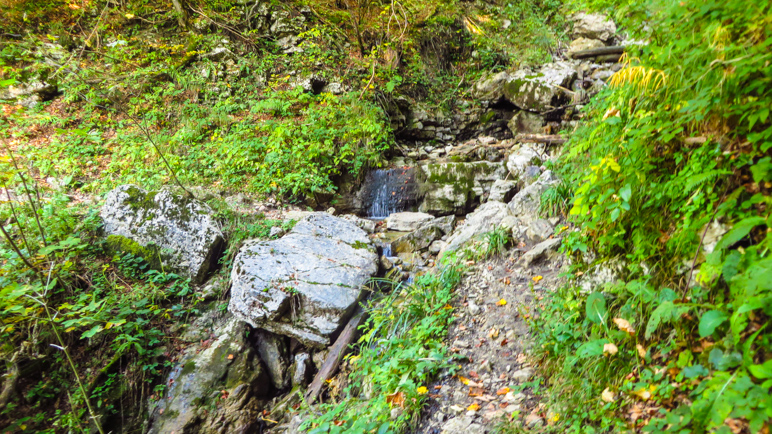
(182, 13)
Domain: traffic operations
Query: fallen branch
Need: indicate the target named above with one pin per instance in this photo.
(595, 52)
(541, 138)
(338, 350)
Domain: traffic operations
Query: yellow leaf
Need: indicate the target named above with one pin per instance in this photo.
(503, 391)
(644, 393)
(613, 165)
(501, 302)
(608, 395)
(537, 278)
(422, 390)
(129, 16)
(474, 407)
(463, 379)
(641, 350)
(69, 329)
(493, 333)
(610, 349)
(624, 325)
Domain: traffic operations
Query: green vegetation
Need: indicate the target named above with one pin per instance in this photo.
(400, 352)
(671, 180)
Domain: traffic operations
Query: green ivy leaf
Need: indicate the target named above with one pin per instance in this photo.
(710, 321)
(661, 314)
(596, 308)
(739, 231)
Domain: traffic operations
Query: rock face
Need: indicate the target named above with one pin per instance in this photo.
(525, 204)
(424, 235)
(502, 191)
(593, 26)
(166, 229)
(520, 159)
(524, 122)
(541, 90)
(583, 44)
(483, 219)
(453, 188)
(197, 383)
(489, 88)
(306, 284)
(407, 221)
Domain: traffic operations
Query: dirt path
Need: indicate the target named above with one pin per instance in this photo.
(490, 338)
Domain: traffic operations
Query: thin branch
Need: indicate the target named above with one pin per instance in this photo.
(29, 196)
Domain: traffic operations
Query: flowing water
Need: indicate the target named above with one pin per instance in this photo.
(390, 190)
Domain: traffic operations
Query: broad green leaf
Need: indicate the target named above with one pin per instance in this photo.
(763, 371)
(661, 314)
(739, 231)
(94, 330)
(596, 308)
(710, 321)
(591, 349)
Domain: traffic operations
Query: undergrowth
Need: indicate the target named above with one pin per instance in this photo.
(671, 181)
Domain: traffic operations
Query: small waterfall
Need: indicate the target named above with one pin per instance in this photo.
(390, 190)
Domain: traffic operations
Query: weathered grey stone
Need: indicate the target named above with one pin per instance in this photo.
(177, 232)
(276, 232)
(452, 188)
(197, 382)
(583, 44)
(417, 240)
(364, 224)
(306, 284)
(541, 251)
(593, 26)
(541, 90)
(539, 230)
(461, 425)
(524, 122)
(525, 204)
(502, 191)
(520, 158)
(407, 221)
(490, 87)
(301, 370)
(531, 175)
(273, 351)
(484, 219)
(437, 246)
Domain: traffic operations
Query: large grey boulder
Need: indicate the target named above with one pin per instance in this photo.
(424, 236)
(541, 90)
(306, 284)
(176, 232)
(275, 355)
(582, 44)
(220, 384)
(407, 221)
(452, 188)
(490, 87)
(593, 26)
(543, 250)
(502, 191)
(484, 219)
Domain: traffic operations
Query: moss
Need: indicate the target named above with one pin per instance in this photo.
(187, 368)
(359, 245)
(487, 117)
(121, 244)
(139, 199)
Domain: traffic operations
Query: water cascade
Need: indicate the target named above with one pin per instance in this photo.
(388, 191)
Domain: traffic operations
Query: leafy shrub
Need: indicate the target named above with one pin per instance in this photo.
(680, 143)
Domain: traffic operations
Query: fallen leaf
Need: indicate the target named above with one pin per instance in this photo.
(608, 395)
(503, 391)
(476, 391)
(641, 350)
(610, 349)
(501, 302)
(438, 387)
(537, 278)
(474, 374)
(230, 356)
(504, 341)
(396, 399)
(338, 422)
(463, 379)
(493, 333)
(624, 325)
(644, 393)
(474, 407)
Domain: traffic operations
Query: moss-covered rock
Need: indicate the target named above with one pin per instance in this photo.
(168, 230)
(454, 188)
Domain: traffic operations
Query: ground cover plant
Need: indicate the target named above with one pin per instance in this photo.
(671, 195)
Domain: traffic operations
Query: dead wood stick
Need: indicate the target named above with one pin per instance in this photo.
(337, 352)
(541, 138)
(595, 52)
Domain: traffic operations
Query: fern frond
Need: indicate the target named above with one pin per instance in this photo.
(703, 178)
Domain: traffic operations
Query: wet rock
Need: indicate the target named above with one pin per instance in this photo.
(593, 26)
(453, 188)
(407, 221)
(502, 191)
(166, 229)
(386, 264)
(541, 251)
(417, 240)
(520, 159)
(273, 352)
(483, 219)
(197, 383)
(306, 284)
